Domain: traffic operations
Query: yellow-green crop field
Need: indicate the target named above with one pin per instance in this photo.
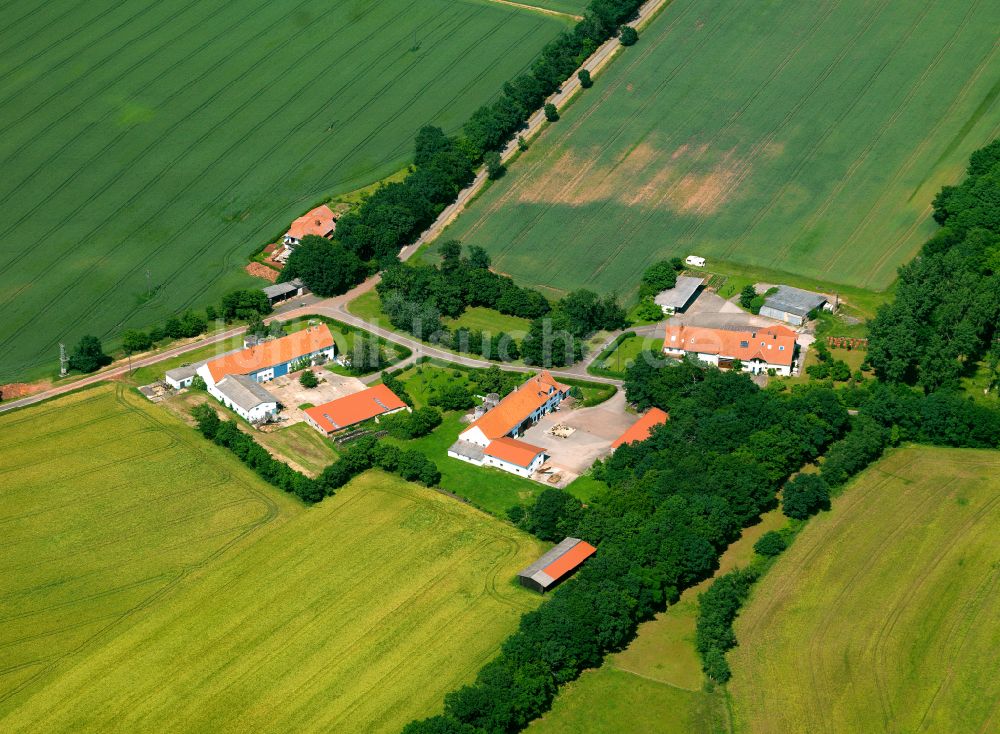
(882, 616)
(151, 582)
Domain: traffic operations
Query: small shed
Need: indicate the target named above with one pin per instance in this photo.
(557, 564)
(677, 299)
(182, 376)
(694, 261)
(283, 291)
(793, 305)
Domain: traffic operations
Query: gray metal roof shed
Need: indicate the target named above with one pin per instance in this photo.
(558, 563)
(795, 301)
(244, 391)
(680, 295)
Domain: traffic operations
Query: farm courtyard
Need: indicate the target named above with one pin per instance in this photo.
(149, 148)
(246, 610)
(807, 139)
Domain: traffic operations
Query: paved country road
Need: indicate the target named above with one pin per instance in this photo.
(337, 307)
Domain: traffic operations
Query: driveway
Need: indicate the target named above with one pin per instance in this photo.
(291, 394)
(594, 430)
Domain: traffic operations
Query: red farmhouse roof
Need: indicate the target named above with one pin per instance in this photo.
(773, 344)
(319, 222)
(557, 563)
(352, 409)
(517, 406)
(270, 353)
(642, 428)
(513, 451)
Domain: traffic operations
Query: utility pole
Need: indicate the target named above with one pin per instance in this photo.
(63, 361)
(149, 288)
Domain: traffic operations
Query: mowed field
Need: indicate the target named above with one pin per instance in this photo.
(882, 616)
(150, 582)
(809, 138)
(149, 147)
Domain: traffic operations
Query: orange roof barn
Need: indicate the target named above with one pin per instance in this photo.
(513, 451)
(271, 353)
(517, 406)
(320, 222)
(354, 409)
(642, 428)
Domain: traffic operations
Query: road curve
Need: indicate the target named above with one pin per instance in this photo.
(337, 307)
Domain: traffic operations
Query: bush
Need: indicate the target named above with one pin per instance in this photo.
(629, 35)
(771, 543)
(198, 383)
(585, 81)
(494, 166)
(805, 495)
(88, 355)
(717, 609)
(551, 113)
(747, 295)
(308, 379)
(242, 303)
(756, 304)
(404, 425)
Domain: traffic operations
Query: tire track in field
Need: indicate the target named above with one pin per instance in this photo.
(271, 513)
(911, 161)
(862, 155)
(542, 161)
(827, 72)
(16, 23)
(879, 652)
(108, 253)
(69, 142)
(646, 216)
(268, 219)
(94, 42)
(585, 170)
(208, 208)
(44, 29)
(153, 145)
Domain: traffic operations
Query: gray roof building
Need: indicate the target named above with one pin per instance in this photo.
(181, 374)
(680, 296)
(281, 291)
(792, 305)
(556, 565)
(244, 392)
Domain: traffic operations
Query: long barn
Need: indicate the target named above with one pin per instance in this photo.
(556, 565)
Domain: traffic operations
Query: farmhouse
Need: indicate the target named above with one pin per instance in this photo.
(556, 565)
(246, 397)
(642, 428)
(283, 291)
(353, 409)
(273, 358)
(757, 349)
(319, 222)
(491, 440)
(677, 299)
(793, 305)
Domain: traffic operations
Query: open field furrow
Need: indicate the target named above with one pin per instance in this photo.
(743, 168)
(890, 121)
(22, 23)
(583, 172)
(110, 252)
(79, 30)
(70, 142)
(760, 157)
(187, 213)
(878, 617)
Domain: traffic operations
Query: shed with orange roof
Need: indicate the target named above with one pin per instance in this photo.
(642, 428)
(350, 410)
(556, 565)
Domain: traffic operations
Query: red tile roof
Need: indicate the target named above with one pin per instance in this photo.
(642, 428)
(513, 451)
(570, 560)
(517, 406)
(352, 409)
(270, 353)
(773, 344)
(318, 222)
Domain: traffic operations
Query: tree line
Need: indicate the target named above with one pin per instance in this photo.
(393, 216)
(675, 502)
(944, 318)
(415, 298)
(361, 455)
